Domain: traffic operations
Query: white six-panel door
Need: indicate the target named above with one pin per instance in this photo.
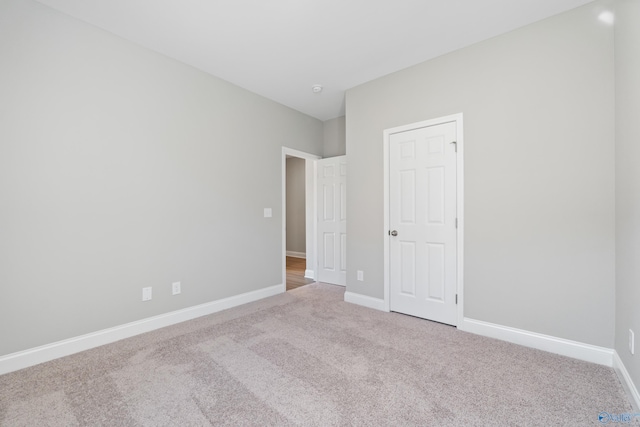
(332, 220)
(422, 219)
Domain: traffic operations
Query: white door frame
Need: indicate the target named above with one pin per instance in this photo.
(310, 208)
(457, 118)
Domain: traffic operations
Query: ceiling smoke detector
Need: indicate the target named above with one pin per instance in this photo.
(317, 88)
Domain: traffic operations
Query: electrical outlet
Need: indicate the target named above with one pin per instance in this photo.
(175, 288)
(360, 275)
(146, 294)
(632, 343)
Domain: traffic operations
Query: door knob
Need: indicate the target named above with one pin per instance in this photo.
(394, 233)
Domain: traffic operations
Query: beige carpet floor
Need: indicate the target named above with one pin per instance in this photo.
(307, 358)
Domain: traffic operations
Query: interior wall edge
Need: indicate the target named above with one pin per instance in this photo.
(294, 254)
(45, 353)
(364, 300)
(564, 347)
(627, 383)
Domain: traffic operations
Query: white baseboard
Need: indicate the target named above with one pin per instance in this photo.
(364, 300)
(23, 359)
(310, 274)
(297, 254)
(626, 381)
(577, 350)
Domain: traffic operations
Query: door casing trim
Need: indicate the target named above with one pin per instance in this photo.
(458, 119)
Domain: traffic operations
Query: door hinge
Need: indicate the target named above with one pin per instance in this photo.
(456, 222)
(455, 145)
(456, 299)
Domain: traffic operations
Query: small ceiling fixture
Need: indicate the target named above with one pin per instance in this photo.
(317, 88)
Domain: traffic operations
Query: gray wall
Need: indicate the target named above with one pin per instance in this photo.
(627, 44)
(538, 107)
(296, 212)
(335, 138)
(121, 168)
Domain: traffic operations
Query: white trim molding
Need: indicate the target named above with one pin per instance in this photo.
(24, 359)
(564, 347)
(310, 274)
(297, 254)
(365, 301)
(626, 381)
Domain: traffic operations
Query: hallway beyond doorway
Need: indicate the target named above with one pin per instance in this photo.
(295, 273)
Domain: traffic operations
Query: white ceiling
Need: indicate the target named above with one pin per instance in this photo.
(281, 48)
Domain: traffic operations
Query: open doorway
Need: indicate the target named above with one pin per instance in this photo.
(296, 232)
(298, 224)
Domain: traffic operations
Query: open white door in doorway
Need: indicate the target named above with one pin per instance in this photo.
(422, 221)
(332, 220)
